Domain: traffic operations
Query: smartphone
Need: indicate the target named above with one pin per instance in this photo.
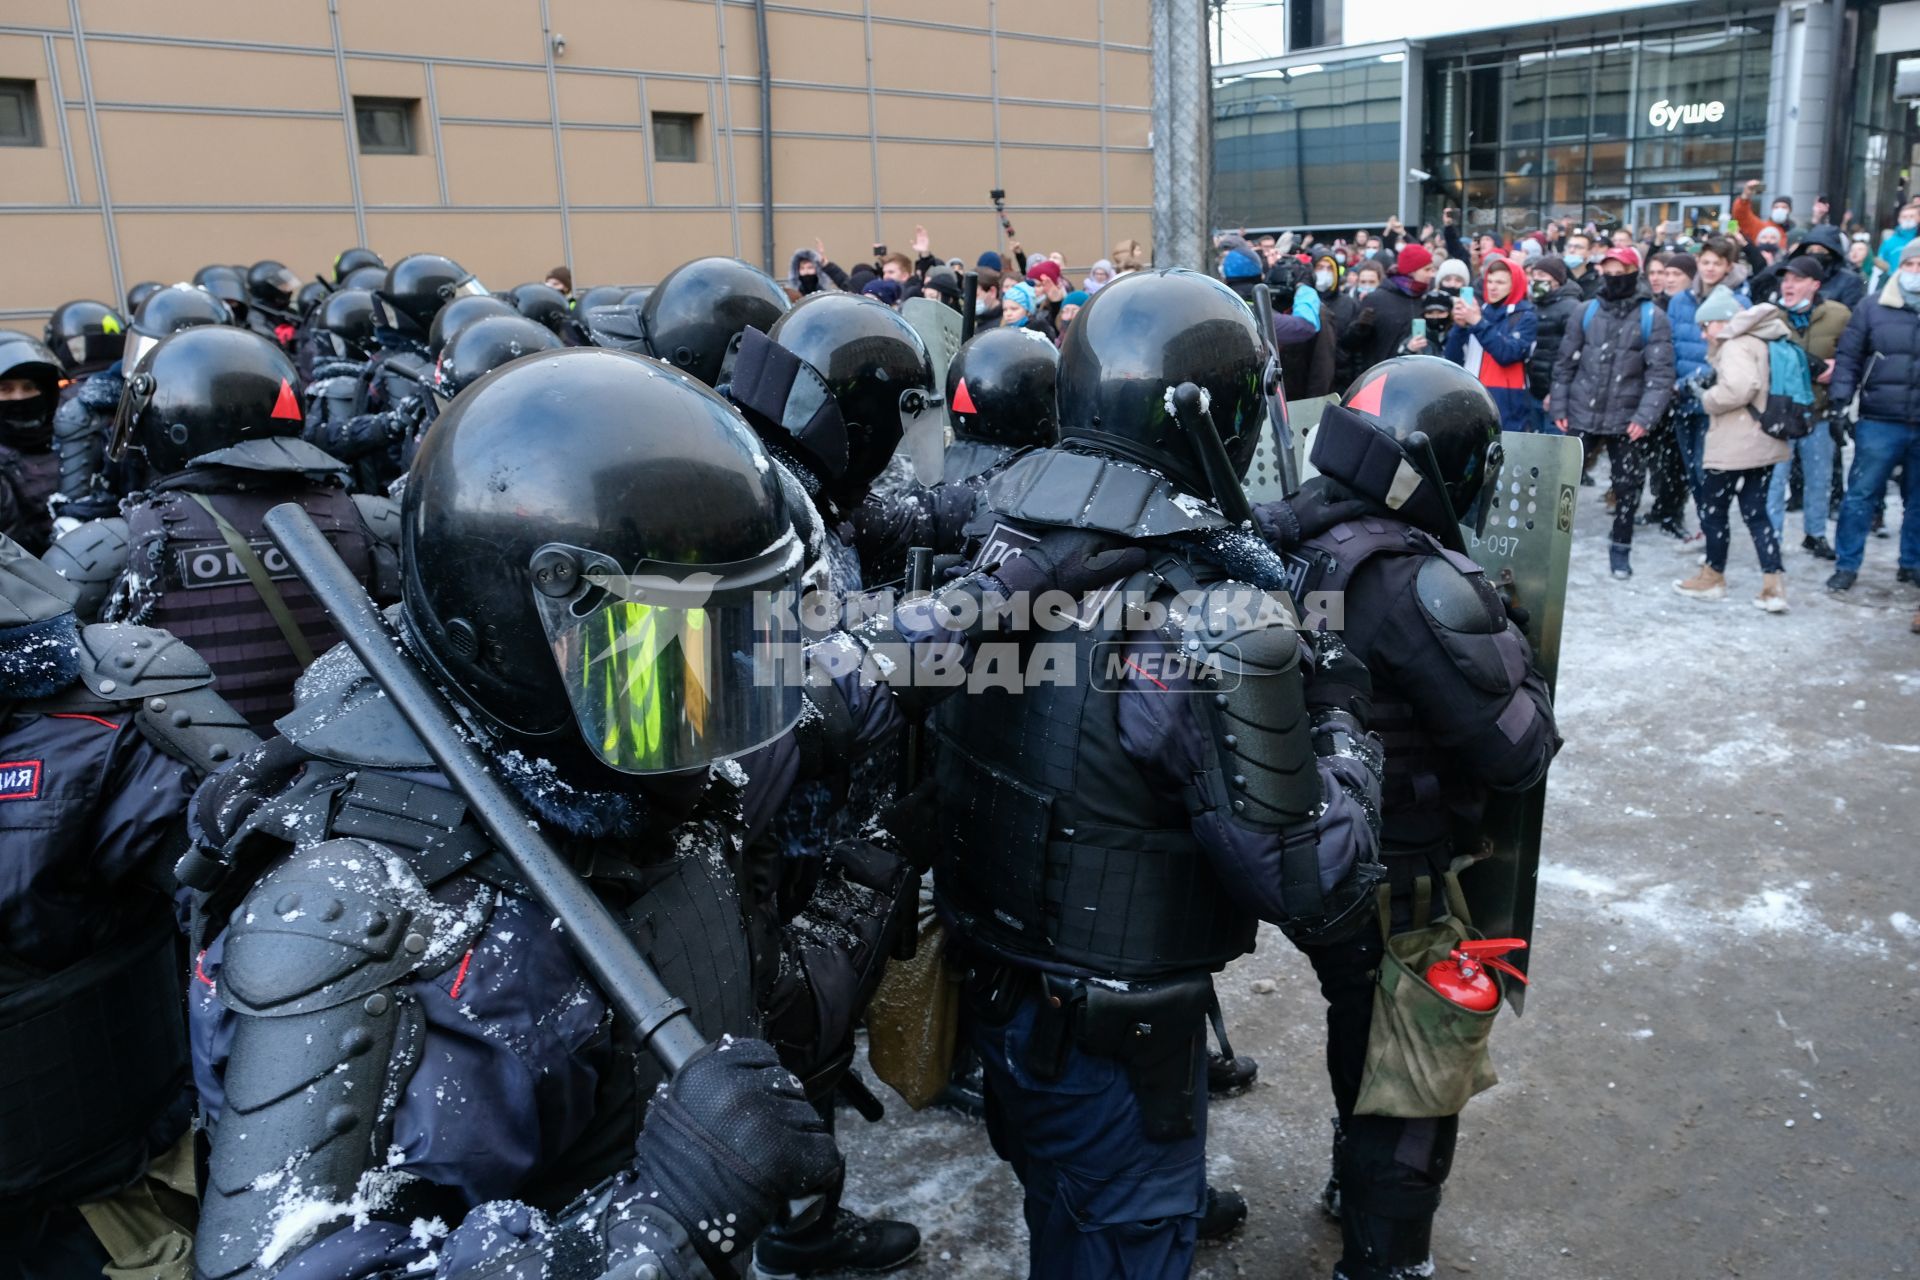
(1419, 326)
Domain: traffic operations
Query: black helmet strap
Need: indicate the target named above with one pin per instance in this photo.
(780, 390)
(1374, 465)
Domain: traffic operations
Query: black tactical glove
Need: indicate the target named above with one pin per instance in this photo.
(730, 1140)
(1071, 560)
(1838, 426)
(1340, 681)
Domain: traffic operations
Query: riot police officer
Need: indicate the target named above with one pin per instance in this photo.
(336, 342)
(392, 393)
(29, 468)
(1139, 823)
(1458, 703)
(105, 731)
(691, 318)
(348, 261)
(1000, 400)
(270, 311)
(474, 351)
(544, 305)
(89, 489)
(86, 337)
(214, 417)
(631, 716)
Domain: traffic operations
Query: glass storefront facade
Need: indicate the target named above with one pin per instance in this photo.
(1309, 147)
(1628, 131)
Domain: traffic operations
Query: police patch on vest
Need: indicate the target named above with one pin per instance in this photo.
(20, 780)
(215, 564)
(1006, 542)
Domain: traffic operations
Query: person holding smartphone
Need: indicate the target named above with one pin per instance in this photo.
(1383, 326)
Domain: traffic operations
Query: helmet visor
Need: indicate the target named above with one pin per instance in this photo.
(674, 667)
(468, 288)
(1474, 515)
(138, 344)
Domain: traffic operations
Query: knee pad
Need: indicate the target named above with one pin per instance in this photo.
(1393, 1168)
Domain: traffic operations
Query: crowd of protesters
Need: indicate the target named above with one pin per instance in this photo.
(1660, 348)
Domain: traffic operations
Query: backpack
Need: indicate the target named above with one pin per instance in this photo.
(1788, 412)
(1646, 319)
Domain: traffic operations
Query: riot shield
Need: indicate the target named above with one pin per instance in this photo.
(1525, 549)
(1263, 483)
(939, 327)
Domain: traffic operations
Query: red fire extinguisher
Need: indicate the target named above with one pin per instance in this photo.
(1462, 977)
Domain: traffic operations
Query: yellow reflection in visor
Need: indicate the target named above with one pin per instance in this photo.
(638, 679)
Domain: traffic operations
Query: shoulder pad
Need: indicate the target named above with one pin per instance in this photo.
(101, 391)
(335, 922)
(618, 327)
(1456, 597)
(125, 663)
(197, 727)
(381, 515)
(341, 714)
(1083, 491)
(408, 365)
(1243, 628)
(90, 557)
(276, 453)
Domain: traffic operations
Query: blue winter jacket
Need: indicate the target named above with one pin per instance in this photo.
(1879, 357)
(1505, 336)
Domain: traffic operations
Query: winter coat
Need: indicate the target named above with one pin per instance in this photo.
(1605, 377)
(1495, 351)
(1382, 323)
(1898, 239)
(1820, 338)
(1555, 312)
(1845, 286)
(1735, 441)
(1879, 357)
(1689, 341)
(1342, 307)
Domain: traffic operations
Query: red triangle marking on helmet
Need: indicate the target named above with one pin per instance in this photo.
(962, 402)
(287, 406)
(1367, 398)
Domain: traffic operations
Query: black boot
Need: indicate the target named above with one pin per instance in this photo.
(1230, 1077)
(1842, 580)
(966, 1091)
(1908, 576)
(1384, 1248)
(1225, 1211)
(1618, 559)
(844, 1242)
(1818, 548)
(1330, 1194)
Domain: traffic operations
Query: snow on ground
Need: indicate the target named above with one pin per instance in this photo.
(1715, 1073)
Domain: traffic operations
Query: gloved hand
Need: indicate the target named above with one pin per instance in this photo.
(1702, 378)
(1839, 426)
(1340, 681)
(728, 1142)
(1071, 560)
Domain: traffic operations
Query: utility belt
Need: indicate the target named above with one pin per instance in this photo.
(1153, 1029)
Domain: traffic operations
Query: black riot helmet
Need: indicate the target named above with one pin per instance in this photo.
(368, 277)
(1366, 442)
(483, 346)
(461, 312)
(601, 295)
(28, 422)
(344, 327)
(139, 293)
(311, 295)
(1137, 339)
(205, 388)
(599, 559)
(543, 304)
(1000, 388)
(167, 312)
(839, 380)
(229, 284)
(347, 261)
(693, 314)
(86, 335)
(417, 287)
(271, 286)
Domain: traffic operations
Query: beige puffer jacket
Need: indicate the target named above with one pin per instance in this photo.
(1735, 441)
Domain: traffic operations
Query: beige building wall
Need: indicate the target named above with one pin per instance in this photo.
(180, 133)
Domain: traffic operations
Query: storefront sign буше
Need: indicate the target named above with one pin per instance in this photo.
(1663, 115)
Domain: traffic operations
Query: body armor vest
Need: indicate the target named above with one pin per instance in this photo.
(1425, 802)
(966, 459)
(1055, 851)
(34, 477)
(186, 579)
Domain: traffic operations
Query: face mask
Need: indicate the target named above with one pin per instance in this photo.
(27, 424)
(1323, 280)
(1910, 281)
(1340, 258)
(981, 306)
(1621, 286)
(1362, 290)
(1540, 289)
(1574, 259)
(1801, 305)
(809, 284)
(1417, 287)
(1909, 223)
(1781, 214)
